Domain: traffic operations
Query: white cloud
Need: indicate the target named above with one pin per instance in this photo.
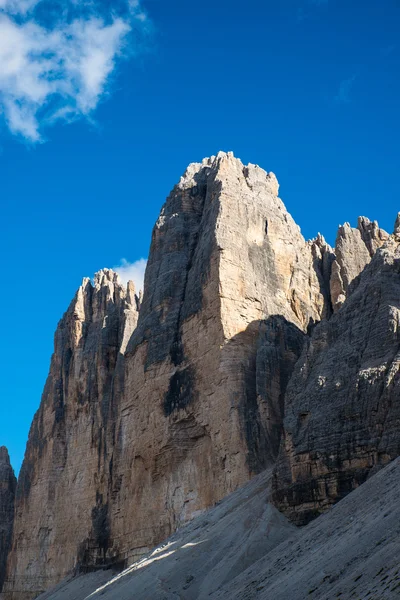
(132, 272)
(58, 68)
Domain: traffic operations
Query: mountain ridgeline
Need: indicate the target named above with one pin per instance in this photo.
(251, 349)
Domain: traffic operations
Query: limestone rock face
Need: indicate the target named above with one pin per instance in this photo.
(279, 347)
(8, 484)
(236, 356)
(63, 490)
(202, 409)
(323, 257)
(354, 249)
(342, 405)
(140, 429)
(396, 231)
(372, 235)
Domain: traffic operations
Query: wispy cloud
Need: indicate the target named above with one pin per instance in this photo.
(56, 58)
(132, 272)
(343, 95)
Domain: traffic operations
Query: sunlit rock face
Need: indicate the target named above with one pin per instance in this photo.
(229, 277)
(342, 405)
(249, 345)
(354, 249)
(8, 484)
(141, 428)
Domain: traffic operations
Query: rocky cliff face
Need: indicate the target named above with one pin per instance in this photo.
(8, 484)
(199, 415)
(152, 414)
(342, 406)
(353, 249)
(128, 445)
(63, 489)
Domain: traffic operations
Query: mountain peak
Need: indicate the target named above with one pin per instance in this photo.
(4, 455)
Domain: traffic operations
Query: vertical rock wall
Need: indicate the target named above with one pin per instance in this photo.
(354, 249)
(8, 484)
(342, 406)
(125, 449)
(226, 258)
(62, 503)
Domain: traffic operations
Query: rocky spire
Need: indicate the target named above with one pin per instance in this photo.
(8, 484)
(371, 234)
(323, 259)
(353, 249)
(62, 495)
(226, 259)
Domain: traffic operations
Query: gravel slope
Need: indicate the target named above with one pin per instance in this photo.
(244, 549)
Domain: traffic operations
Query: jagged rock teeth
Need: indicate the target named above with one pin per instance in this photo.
(104, 277)
(372, 235)
(354, 249)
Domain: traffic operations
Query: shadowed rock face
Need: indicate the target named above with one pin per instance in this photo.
(63, 489)
(8, 484)
(129, 445)
(342, 410)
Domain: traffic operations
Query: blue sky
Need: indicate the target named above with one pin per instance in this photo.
(89, 149)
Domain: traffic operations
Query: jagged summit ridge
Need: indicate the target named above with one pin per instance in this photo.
(109, 278)
(208, 166)
(354, 249)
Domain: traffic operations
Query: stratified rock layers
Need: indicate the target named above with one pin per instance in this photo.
(342, 406)
(8, 484)
(63, 490)
(128, 445)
